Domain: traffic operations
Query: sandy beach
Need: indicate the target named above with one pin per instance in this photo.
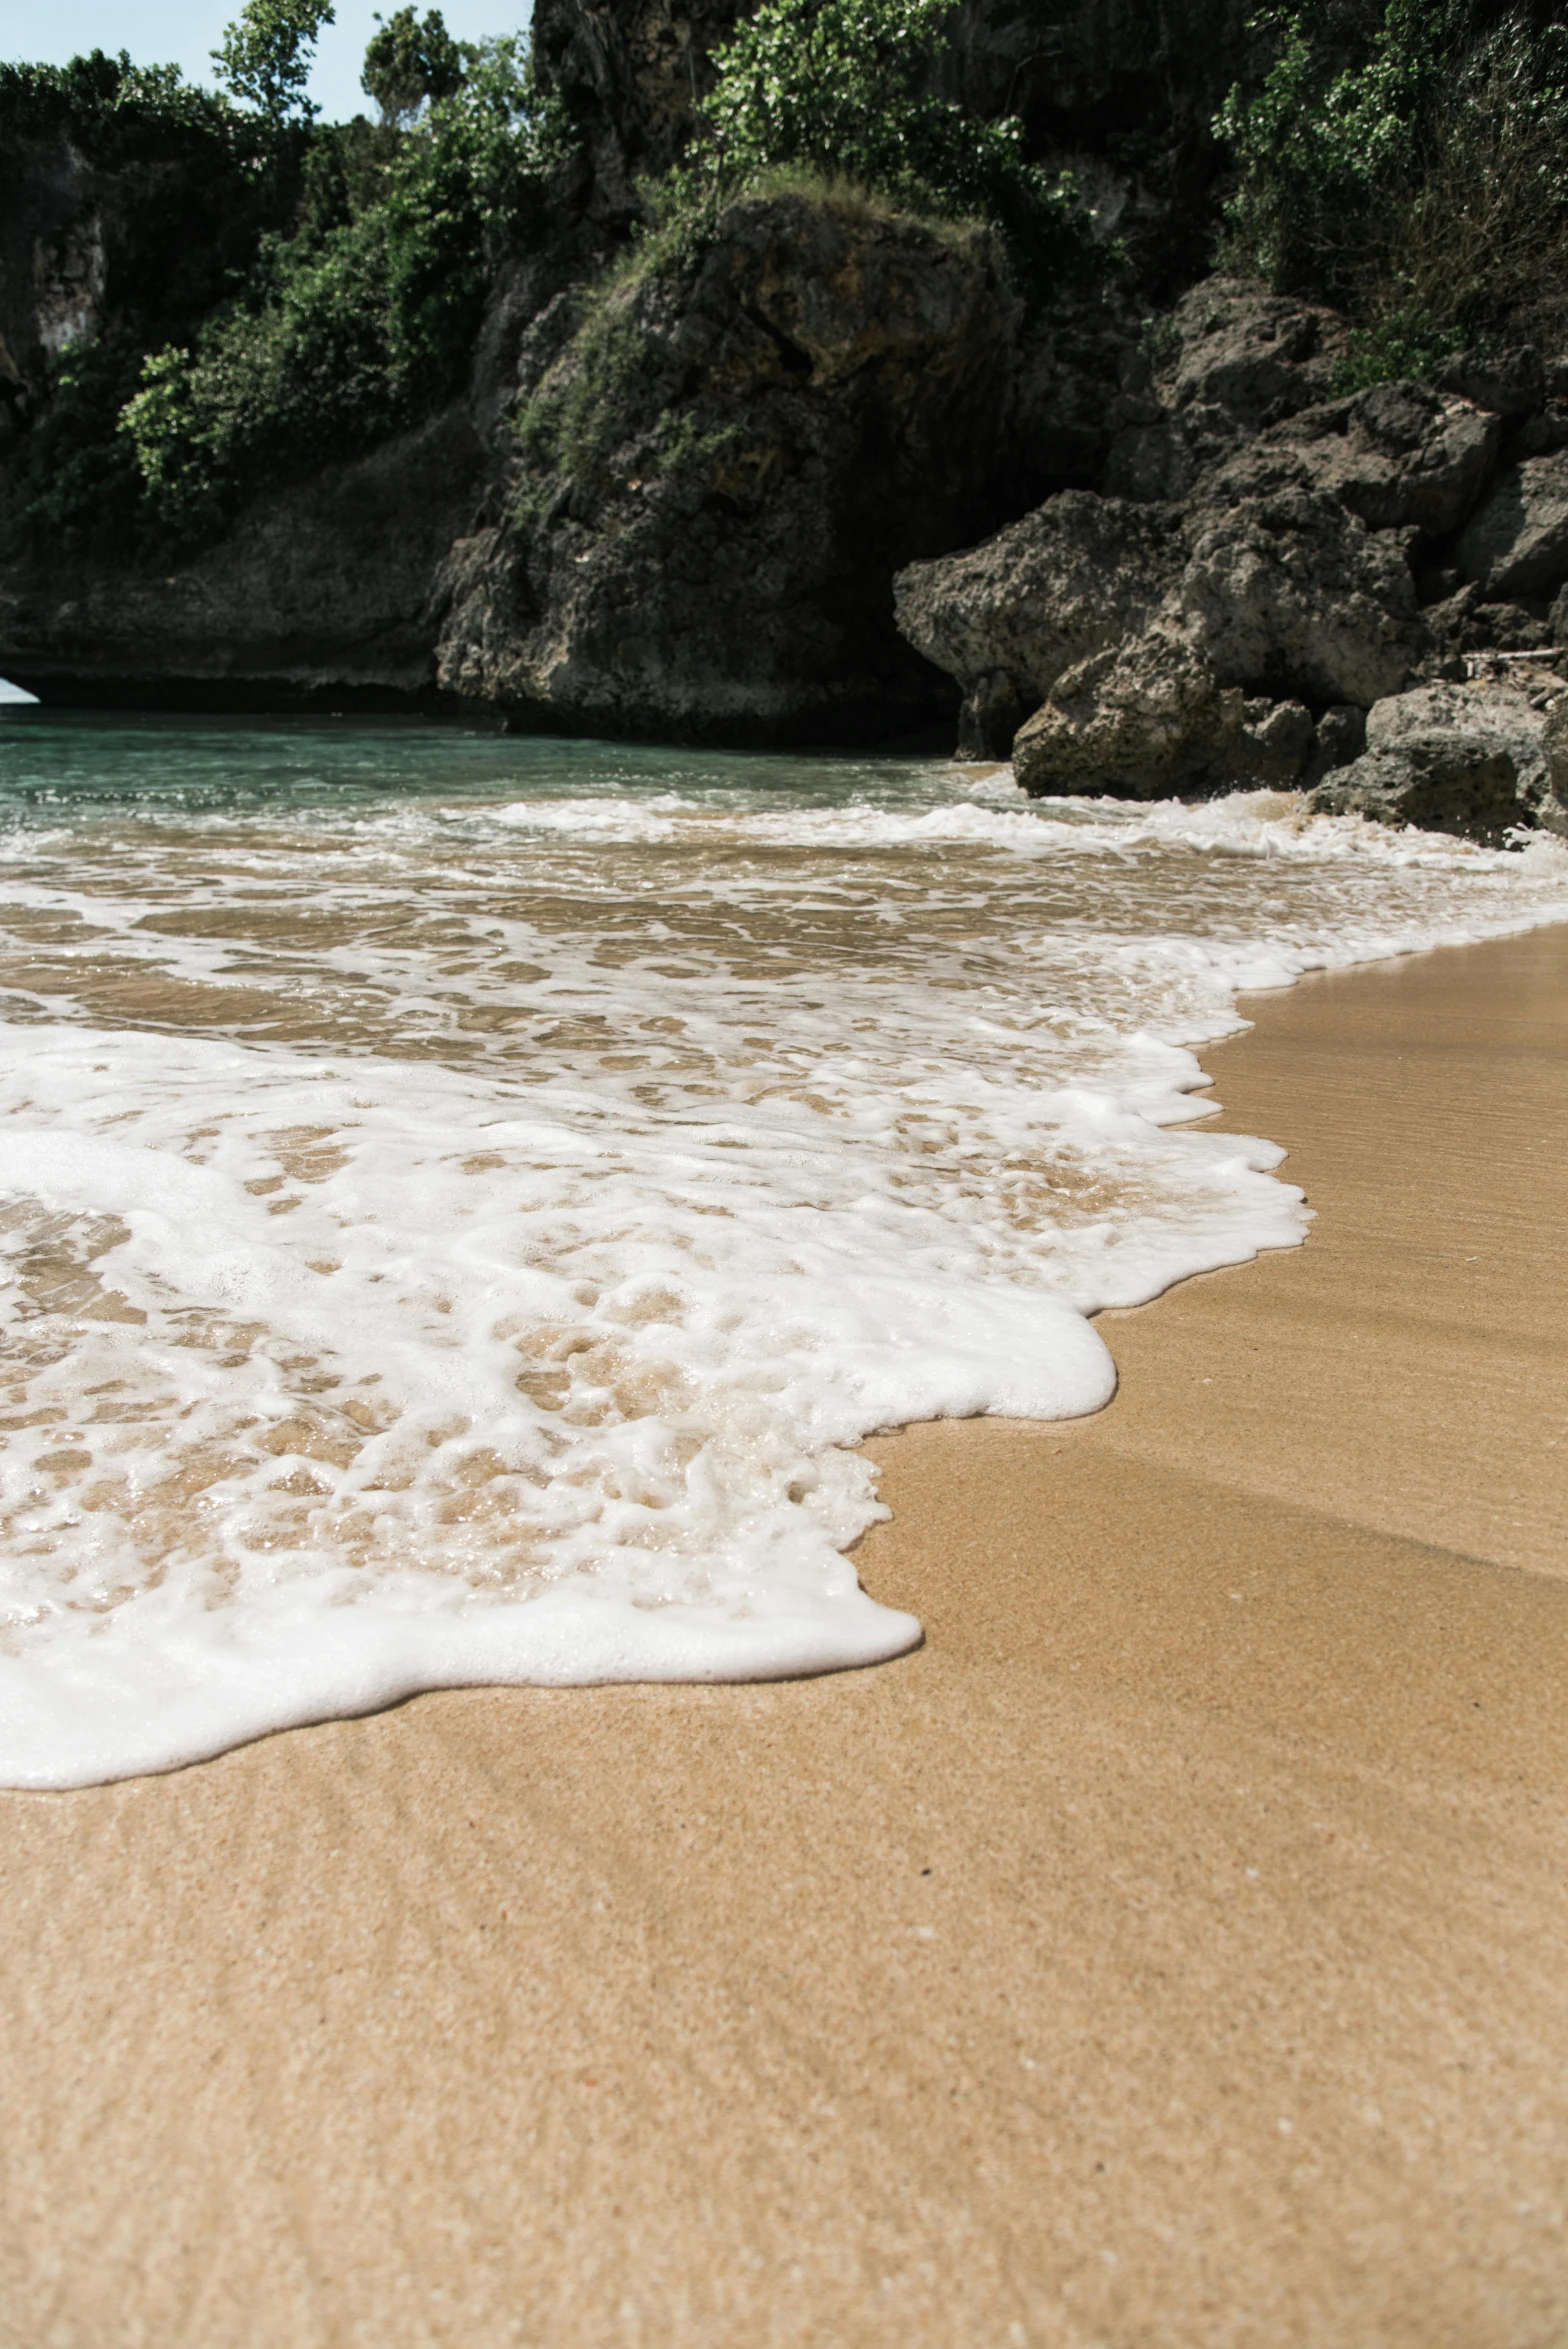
(1170, 1952)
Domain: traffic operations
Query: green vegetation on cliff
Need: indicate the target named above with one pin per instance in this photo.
(830, 101)
(324, 289)
(1421, 184)
(841, 88)
(358, 321)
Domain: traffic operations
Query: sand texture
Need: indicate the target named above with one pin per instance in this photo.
(1174, 1951)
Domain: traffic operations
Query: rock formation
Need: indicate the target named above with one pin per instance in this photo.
(1452, 757)
(320, 596)
(734, 452)
(1249, 586)
(820, 473)
(1009, 617)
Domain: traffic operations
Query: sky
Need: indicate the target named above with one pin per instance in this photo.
(182, 32)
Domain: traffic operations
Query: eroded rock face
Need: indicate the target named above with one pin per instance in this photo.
(1137, 77)
(1291, 594)
(1229, 360)
(1459, 786)
(1289, 598)
(1469, 758)
(632, 75)
(1251, 355)
(1517, 542)
(1146, 719)
(762, 437)
(1399, 456)
(323, 592)
(1509, 718)
(1009, 617)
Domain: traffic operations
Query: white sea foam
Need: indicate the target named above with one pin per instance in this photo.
(449, 1240)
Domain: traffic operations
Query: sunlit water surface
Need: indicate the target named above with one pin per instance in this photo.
(462, 1198)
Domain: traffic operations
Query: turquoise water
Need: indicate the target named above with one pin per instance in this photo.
(55, 764)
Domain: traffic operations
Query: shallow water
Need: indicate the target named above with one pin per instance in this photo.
(461, 1198)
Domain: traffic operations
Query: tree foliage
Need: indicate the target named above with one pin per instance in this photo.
(265, 55)
(842, 88)
(412, 60)
(355, 325)
(319, 287)
(1422, 185)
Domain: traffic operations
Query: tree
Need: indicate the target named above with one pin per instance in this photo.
(265, 57)
(409, 61)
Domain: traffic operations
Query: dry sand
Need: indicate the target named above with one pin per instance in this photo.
(1174, 1952)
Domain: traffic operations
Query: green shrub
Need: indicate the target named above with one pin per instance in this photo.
(72, 484)
(359, 322)
(842, 88)
(200, 183)
(1422, 186)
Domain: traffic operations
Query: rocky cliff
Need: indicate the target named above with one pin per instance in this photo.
(1274, 587)
(722, 469)
(1139, 546)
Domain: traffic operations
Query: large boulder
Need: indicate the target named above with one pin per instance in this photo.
(725, 467)
(1288, 596)
(1399, 456)
(1292, 595)
(1007, 618)
(1229, 360)
(1231, 346)
(1469, 758)
(1516, 544)
(1146, 719)
(1509, 717)
(1453, 786)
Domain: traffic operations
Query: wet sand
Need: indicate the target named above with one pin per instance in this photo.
(1174, 1951)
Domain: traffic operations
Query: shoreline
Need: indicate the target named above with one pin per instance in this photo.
(1167, 1950)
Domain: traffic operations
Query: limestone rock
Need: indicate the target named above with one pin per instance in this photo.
(1070, 399)
(1291, 593)
(1007, 618)
(1506, 717)
(1147, 719)
(632, 75)
(1228, 360)
(1290, 597)
(1278, 745)
(1510, 382)
(1400, 455)
(1341, 737)
(1251, 355)
(1467, 622)
(1516, 544)
(1459, 786)
(321, 593)
(733, 456)
(1470, 758)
